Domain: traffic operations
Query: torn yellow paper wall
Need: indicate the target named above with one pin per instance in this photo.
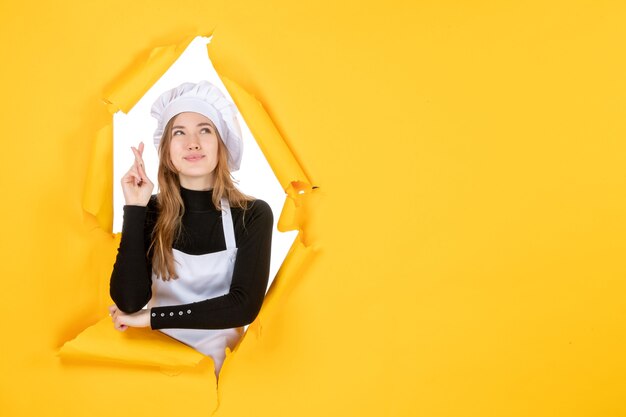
(461, 256)
(130, 86)
(99, 179)
(141, 347)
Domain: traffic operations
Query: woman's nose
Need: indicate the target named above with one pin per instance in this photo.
(194, 143)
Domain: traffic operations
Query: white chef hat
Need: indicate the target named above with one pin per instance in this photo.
(206, 99)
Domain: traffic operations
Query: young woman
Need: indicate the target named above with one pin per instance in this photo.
(198, 252)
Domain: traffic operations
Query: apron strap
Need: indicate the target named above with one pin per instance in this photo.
(227, 223)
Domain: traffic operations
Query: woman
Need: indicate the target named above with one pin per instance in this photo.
(198, 252)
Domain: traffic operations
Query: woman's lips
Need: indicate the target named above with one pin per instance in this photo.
(193, 158)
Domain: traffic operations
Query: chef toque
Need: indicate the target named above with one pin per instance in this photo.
(206, 99)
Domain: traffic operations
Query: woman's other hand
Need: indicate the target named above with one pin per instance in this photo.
(122, 321)
(136, 185)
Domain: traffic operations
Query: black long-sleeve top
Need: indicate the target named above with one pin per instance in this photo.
(202, 232)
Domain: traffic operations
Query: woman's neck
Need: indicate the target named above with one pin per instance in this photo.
(197, 200)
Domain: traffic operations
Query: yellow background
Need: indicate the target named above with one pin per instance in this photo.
(462, 256)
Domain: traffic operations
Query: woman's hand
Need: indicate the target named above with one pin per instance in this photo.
(136, 185)
(122, 321)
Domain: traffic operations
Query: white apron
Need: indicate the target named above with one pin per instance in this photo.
(201, 277)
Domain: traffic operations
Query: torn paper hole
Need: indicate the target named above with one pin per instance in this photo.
(294, 186)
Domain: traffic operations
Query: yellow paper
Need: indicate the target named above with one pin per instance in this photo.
(455, 172)
(135, 346)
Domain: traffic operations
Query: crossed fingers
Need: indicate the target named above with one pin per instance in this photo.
(138, 166)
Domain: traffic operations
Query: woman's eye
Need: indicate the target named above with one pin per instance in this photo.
(176, 132)
(205, 130)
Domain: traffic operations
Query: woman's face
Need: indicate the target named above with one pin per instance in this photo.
(193, 150)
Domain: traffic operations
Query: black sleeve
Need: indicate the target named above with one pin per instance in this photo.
(131, 279)
(250, 277)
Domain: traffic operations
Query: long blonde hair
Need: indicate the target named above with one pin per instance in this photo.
(170, 203)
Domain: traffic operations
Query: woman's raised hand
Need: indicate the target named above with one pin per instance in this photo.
(136, 185)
